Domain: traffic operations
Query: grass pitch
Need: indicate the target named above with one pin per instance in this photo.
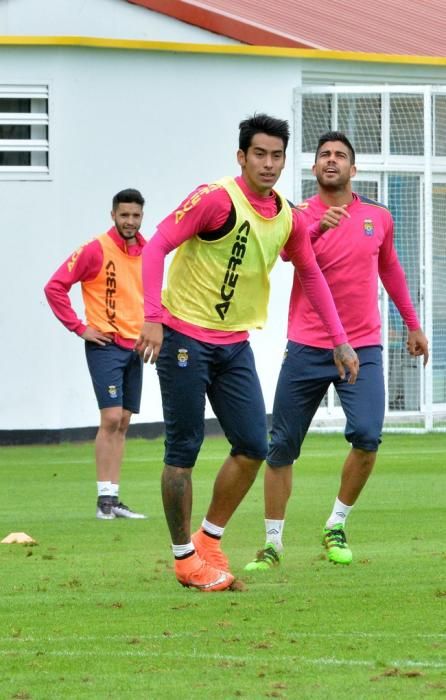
(93, 611)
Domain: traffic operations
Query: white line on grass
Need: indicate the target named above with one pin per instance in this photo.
(425, 452)
(157, 637)
(87, 460)
(323, 661)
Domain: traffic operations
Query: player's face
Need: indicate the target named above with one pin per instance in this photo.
(127, 218)
(263, 163)
(333, 168)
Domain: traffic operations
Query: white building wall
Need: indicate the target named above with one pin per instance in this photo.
(115, 19)
(159, 122)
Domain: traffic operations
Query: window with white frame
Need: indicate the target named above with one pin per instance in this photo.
(24, 144)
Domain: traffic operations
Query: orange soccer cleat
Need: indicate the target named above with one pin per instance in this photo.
(192, 572)
(208, 548)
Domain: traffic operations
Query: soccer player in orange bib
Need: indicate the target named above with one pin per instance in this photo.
(109, 271)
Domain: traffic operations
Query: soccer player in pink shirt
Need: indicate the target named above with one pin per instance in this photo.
(352, 238)
(108, 269)
(227, 236)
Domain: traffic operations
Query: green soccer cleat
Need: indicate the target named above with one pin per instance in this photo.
(335, 542)
(265, 559)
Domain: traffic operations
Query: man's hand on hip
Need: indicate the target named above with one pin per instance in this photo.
(94, 336)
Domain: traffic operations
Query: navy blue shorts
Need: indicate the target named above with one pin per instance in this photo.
(304, 378)
(116, 374)
(188, 371)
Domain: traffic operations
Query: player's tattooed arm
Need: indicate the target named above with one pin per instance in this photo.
(346, 360)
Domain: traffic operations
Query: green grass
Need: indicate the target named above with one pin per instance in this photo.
(95, 612)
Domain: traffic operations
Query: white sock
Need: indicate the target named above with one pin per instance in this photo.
(339, 514)
(274, 530)
(104, 488)
(180, 550)
(114, 489)
(212, 529)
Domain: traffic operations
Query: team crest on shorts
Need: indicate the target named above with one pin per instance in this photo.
(183, 357)
(112, 391)
(285, 355)
(368, 227)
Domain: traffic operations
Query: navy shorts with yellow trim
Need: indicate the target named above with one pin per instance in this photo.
(116, 374)
(304, 378)
(188, 371)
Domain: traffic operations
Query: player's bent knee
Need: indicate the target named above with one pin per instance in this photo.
(364, 437)
(283, 464)
(111, 419)
(282, 453)
(252, 453)
(365, 443)
(182, 454)
(252, 462)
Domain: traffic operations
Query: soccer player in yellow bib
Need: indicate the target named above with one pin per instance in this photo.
(228, 235)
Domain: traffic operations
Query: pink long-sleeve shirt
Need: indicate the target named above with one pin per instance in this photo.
(207, 210)
(352, 257)
(83, 265)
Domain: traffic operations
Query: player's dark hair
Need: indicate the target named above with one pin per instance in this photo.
(263, 124)
(128, 196)
(335, 136)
